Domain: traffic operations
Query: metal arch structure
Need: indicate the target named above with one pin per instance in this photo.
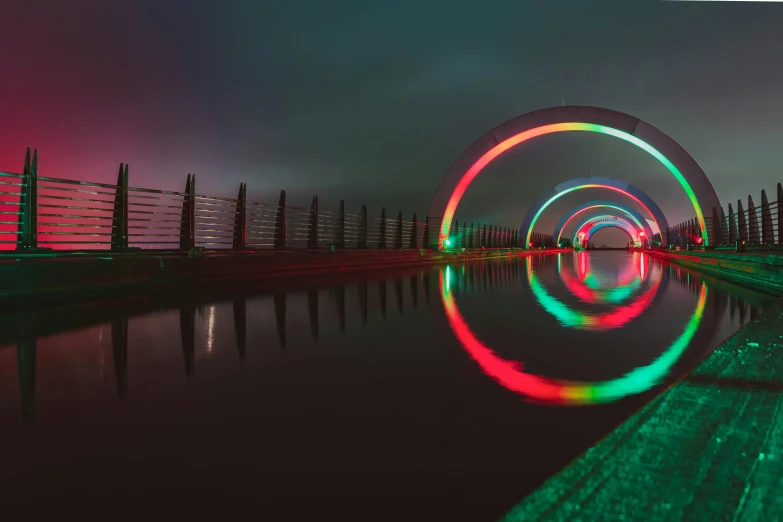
(588, 226)
(615, 185)
(512, 133)
(602, 204)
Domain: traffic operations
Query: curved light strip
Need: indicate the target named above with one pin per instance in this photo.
(515, 140)
(616, 318)
(595, 227)
(589, 295)
(589, 226)
(510, 374)
(592, 207)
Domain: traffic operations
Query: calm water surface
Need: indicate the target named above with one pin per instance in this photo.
(440, 394)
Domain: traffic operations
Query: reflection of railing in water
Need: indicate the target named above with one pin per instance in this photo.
(486, 277)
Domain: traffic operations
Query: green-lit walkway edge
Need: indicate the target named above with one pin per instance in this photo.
(708, 448)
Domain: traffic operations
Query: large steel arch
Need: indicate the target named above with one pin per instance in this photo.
(593, 182)
(562, 119)
(601, 204)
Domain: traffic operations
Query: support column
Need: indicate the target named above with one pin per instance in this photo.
(312, 235)
(363, 227)
(767, 232)
(743, 226)
(280, 228)
(240, 218)
(733, 234)
(398, 232)
(187, 234)
(340, 239)
(28, 204)
(426, 234)
(382, 229)
(119, 231)
(754, 237)
(414, 233)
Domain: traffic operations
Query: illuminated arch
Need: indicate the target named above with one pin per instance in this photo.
(512, 375)
(589, 225)
(564, 119)
(602, 204)
(615, 185)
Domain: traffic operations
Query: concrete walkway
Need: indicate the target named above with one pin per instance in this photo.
(709, 448)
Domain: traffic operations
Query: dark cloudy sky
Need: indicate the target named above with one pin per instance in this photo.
(372, 101)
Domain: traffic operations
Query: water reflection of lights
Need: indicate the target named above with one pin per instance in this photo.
(210, 328)
(590, 289)
(510, 374)
(570, 318)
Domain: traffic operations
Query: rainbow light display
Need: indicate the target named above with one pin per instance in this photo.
(593, 207)
(570, 318)
(515, 140)
(510, 374)
(587, 228)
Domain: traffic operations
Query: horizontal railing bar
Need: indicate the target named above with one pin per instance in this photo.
(12, 175)
(64, 189)
(81, 225)
(155, 191)
(9, 184)
(73, 216)
(67, 198)
(148, 212)
(76, 182)
(151, 235)
(50, 233)
(88, 209)
(52, 242)
(134, 204)
(157, 220)
(217, 198)
(140, 196)
(137, 227)
(12, 213)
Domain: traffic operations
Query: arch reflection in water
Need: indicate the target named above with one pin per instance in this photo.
(593, 290)
(511, 374)
(615, 318)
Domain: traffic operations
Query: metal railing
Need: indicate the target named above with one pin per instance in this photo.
(45, 212)
(758, 226)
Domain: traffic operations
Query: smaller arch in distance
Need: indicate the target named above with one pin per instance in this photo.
(592, 182)
(601, 203)
(588, 226)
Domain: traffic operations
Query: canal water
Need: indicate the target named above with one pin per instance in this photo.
(445, 393)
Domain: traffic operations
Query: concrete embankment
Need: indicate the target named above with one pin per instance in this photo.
(46, 277)
(708, 448)
(762, 271)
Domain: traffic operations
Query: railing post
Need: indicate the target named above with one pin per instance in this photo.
(414, 233)
(280, 228)
(363, 227)
(240, 218)
(28, 220)
(767, 232)
(754, 237)
(340, 239)
(312, 235)
(426, 232)
(780, 214)
(187, 231)
(743, 225)
(119, 231)
(398, 232)
(732, 226)
(382, 229)
(724, 227)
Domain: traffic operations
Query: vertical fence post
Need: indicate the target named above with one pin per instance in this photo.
(119, 231)
(382, 229)
(724, 227)
(426, 231)
(312, 233)
(414, 233)
(280, 227)
(767, 232)
(363, 227)
(340, 239)
(754, 236)
(780, 214)
(187, 230)
(732, 226)
(28, 204)
(743, 225)
(398, 232)
(240, 218)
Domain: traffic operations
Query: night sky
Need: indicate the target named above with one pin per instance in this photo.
(372, 101)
